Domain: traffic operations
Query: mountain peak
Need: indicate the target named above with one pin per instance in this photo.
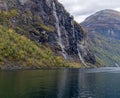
(104, 22)
(107, 14)
(107, 11)
(104, 31)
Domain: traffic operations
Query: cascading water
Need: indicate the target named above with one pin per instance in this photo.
(58, 31)
(73, 27)
(80, 57)
(117, 65)
(79, 54)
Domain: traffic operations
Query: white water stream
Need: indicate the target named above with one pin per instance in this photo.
(59, 32)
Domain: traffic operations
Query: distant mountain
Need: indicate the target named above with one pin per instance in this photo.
(46, 23)
(103, 28)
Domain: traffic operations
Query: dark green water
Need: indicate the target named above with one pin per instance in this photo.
(63, 83)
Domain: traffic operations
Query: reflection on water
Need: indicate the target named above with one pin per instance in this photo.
(63, 83)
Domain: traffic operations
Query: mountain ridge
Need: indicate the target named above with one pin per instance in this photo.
(103, 30)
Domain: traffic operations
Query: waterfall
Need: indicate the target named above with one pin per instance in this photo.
(117, 65)
(73, 28)
(57, 24)
(81, 45)
(80, 57)
(79, 54)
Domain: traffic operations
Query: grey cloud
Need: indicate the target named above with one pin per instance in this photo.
(80, 9)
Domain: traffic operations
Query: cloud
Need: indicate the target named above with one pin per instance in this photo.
(81, 9)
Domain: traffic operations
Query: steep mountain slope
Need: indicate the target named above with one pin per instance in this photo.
(104, 31)
(46, 22)
(18, 52)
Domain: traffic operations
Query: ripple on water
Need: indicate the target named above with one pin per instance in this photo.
(104, 70)
(86, 94)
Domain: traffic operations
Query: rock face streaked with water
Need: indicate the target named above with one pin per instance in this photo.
(47, 22)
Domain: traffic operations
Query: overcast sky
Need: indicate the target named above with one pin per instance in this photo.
(81, 9)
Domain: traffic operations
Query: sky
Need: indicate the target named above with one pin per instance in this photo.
(81, 9)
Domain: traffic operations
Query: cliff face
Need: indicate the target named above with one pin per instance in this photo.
(47, 22)
(104, 31)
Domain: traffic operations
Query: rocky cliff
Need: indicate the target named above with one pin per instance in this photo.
(47, 22)
(104, 31)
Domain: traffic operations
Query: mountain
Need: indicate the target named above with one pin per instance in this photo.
(47, 23)
(104, 31)
(18, 52)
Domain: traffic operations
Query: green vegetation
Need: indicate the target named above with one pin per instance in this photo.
(5, 16)
(18, 51)
(47, 28)
(107, 50)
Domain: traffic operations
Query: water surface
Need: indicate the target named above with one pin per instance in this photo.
(62, 83)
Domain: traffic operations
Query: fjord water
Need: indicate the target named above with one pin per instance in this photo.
(61, 83)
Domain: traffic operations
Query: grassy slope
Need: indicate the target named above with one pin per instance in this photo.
(106, 50)
(18, 51)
